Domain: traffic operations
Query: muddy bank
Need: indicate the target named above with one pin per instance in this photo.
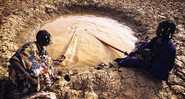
(19, 21)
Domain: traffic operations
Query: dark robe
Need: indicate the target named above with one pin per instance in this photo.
(164, 57)
(162, 61)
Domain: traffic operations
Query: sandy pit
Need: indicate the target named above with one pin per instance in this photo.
(85, 49)
(21, 19)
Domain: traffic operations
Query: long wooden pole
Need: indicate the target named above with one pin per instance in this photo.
(62, 57)
(71, 41)
(125, 53)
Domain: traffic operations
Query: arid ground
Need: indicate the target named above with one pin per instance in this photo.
(20, 19)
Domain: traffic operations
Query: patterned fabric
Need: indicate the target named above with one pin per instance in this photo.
(28, 54)
(38, 65)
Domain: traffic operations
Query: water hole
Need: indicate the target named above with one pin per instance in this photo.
(75, 37)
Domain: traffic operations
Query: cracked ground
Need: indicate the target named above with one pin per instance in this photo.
(20, 19)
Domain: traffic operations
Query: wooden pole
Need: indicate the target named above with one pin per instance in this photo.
(125, 53)
(62, 57)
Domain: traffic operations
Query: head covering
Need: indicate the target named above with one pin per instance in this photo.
(43, 37)
(166, 29)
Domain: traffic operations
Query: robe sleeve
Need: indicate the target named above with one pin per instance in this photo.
(29, 56)
(151, 43)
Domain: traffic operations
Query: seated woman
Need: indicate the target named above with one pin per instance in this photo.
(156, 56)
(30, 67)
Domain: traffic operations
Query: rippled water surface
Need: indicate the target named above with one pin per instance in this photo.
(72, 36)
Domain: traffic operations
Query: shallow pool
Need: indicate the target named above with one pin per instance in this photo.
(74, 37)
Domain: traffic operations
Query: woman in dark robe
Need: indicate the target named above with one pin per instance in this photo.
(156, 56)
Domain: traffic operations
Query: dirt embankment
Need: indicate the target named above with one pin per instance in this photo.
(19, 21)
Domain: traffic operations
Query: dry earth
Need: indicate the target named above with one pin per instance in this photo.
(19, 20)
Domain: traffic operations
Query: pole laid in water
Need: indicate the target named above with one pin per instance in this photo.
(62, 57)
(124, 52)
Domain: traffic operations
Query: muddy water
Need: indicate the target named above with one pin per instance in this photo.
(72, 36)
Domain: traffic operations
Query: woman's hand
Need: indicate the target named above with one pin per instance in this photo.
(60, 59)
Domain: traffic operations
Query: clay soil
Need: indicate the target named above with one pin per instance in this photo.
(20, 19)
